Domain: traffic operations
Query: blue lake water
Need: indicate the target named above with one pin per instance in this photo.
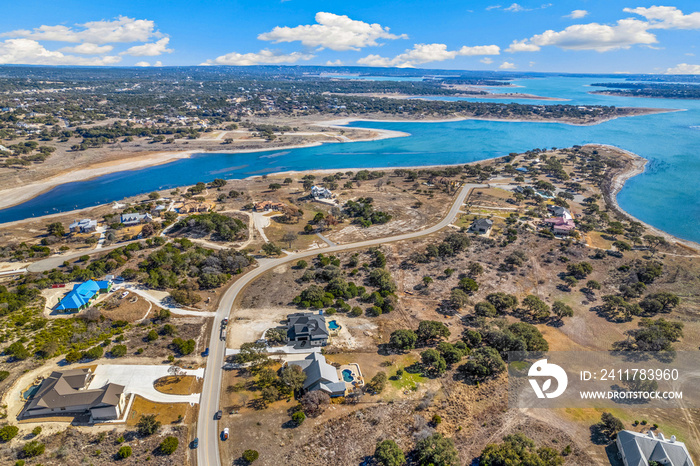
(666, 195)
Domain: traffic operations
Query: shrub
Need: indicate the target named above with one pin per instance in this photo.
(148, 425)
(152, 335)
(4, 375)
(314, 403)
(118, 351)
(299, 417)
(250, 455)
(124, 452)
(403, 340)
(356, 311)
(388, 453)
(95, 352)
(36, 431)
(168, 445)
(33, 448)
(378, 383)
(7, 433)
(436, 449)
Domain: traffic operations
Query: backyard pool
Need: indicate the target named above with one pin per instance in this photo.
(333, 325)
(347, 375)
(30, 392)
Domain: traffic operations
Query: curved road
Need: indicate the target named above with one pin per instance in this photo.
(207, 427)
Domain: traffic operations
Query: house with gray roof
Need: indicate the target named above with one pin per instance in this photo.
(307, 330)
(85, 225)
(482, 226)
(66, 393)
(638, 449)
(320, 375)
(135, 219)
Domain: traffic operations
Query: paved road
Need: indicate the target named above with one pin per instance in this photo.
(56, 261)
(208, 429)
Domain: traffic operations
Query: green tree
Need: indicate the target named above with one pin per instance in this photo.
(168, 445)
(468, 285)
(485, 309)
(118, 351)
(430, 330)
(152, 335)
(299, 417)
(271, 249)
(293, 377)
(433, 362)
(519, 449)
(388, 453)
(124, 452)
(17, 351)
(148, 425)
(250, 455)
(609, 425)
(33, 448)
(458, 298)
(538, 308)
(436, 450)
(403, 340)
(561, 309)
(8, 432)
(378, 383)
(56, 229)
(502, 301)
(483, 363)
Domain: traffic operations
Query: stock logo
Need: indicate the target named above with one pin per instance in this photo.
(543, 369)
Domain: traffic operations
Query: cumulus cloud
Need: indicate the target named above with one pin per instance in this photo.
(522, 46)
(145, 63)
(151, 49)
(486, 60)
(122, 29)
(263, 57)
(334, 63)
(426, 53)
(576, 14)
(88, 49)
(30, 52)
(667, 17)
(515, 8)
(593, 36)
(506, 65)
(332, 31)
(684, 68)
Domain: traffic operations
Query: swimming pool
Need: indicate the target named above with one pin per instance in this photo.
(333, 325)
(347, 375)
(30, 392)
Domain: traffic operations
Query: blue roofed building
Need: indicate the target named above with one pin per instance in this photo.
(81, 295)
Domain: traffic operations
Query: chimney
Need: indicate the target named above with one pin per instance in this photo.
(661, 436)
(651, 435)
(673, 439)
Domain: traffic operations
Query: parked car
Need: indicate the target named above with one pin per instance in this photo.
(206, 352)
(195, 443)
(224, 435)
(218, 414)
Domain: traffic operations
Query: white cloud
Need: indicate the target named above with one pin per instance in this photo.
(264, 56)
(522, 46)
(576, 14)
(592, 36)
(151, 49)
(493, 7)
(532, 63)
(145, 63)
(516, 8)
(334, 63)
(506, 65)
(684, 68)
(667, 17)
(122, 29)
(486, 60)
(426, 53)
(31, 52)
(332, 31)
(88, 49)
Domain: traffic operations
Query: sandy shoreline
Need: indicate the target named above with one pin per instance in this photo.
(610, 191)
(18, 195)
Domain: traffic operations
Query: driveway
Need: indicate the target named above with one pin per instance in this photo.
(139, 379)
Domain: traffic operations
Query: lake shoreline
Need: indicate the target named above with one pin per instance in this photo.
(18, 195)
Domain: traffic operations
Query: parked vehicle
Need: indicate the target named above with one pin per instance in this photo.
(218, 414)
(195, 443)
(224, 435)
(224, 322)
(206, 352)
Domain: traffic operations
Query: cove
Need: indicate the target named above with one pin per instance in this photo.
(666, 195)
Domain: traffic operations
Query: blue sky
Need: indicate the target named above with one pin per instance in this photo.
(571, 36)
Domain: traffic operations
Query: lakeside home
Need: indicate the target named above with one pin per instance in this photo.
(82, 295)
(85, 225)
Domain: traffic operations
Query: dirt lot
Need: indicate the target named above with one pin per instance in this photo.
(184, 385)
